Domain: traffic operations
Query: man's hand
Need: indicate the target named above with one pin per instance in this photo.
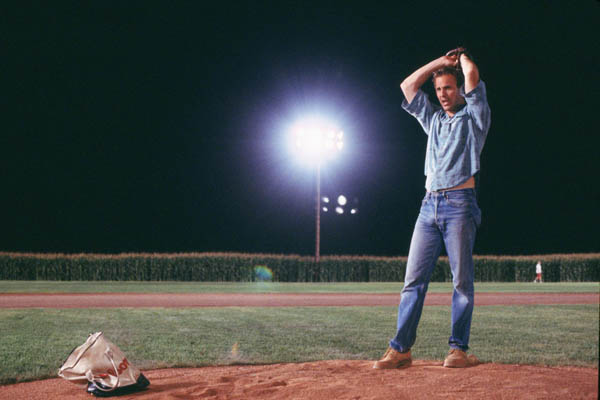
(459, 51)
(450, 60)
(455, 51)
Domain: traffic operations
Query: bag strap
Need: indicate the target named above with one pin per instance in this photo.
(108, 354)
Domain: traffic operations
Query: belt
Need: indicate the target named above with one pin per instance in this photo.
(442, 191)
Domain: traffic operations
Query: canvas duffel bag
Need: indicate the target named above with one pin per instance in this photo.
(101, 367)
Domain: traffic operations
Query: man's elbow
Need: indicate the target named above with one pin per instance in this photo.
(408, 89)
(404, 85)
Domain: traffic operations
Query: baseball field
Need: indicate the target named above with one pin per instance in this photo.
(268, 340)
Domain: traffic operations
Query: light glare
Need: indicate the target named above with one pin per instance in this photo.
(316, 139)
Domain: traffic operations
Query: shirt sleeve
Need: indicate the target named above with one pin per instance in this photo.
(478, 107)
(422, 109)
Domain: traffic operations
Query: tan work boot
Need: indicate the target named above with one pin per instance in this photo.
(394, 359)
(459, 359)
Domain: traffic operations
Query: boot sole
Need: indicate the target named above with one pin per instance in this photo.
(451, 365)
(461, 363)
(400, 365)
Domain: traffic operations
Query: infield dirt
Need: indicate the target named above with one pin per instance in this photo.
(329, 380)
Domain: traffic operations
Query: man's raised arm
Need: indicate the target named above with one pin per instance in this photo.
(411, 85)
(470, 71)
(468, 67)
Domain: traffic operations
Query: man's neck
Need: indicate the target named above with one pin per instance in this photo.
(454, 110)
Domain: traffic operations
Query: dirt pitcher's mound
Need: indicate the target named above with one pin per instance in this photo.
(328, 380)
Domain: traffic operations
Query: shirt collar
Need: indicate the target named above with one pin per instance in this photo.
(446, 118)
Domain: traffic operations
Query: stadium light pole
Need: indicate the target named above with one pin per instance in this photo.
(317, 140)
(318, 216)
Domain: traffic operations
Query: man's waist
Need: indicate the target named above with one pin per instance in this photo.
(469, 184)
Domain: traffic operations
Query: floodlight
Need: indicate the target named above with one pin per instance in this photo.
(353, 211)
(316, 139)
(342, 200)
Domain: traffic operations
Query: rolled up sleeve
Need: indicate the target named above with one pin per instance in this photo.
(422, 109)
(478, 107)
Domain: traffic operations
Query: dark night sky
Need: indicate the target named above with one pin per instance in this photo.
(158, 126)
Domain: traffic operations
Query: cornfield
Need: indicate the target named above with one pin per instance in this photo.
(239, 267)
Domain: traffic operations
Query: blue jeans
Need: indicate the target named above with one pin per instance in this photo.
(446, 218)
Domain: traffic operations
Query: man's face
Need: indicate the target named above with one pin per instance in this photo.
(448, 93)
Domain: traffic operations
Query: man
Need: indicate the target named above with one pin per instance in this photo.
(449, 215)
(538, 272)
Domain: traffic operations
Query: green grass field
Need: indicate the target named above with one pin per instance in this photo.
(35, 342)
(277, 287)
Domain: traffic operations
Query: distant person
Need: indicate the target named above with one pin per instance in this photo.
(538, 272)
(449, 214)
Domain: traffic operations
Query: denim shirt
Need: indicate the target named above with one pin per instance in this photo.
(454, 144)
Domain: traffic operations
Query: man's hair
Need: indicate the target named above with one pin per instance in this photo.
(449, 71)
